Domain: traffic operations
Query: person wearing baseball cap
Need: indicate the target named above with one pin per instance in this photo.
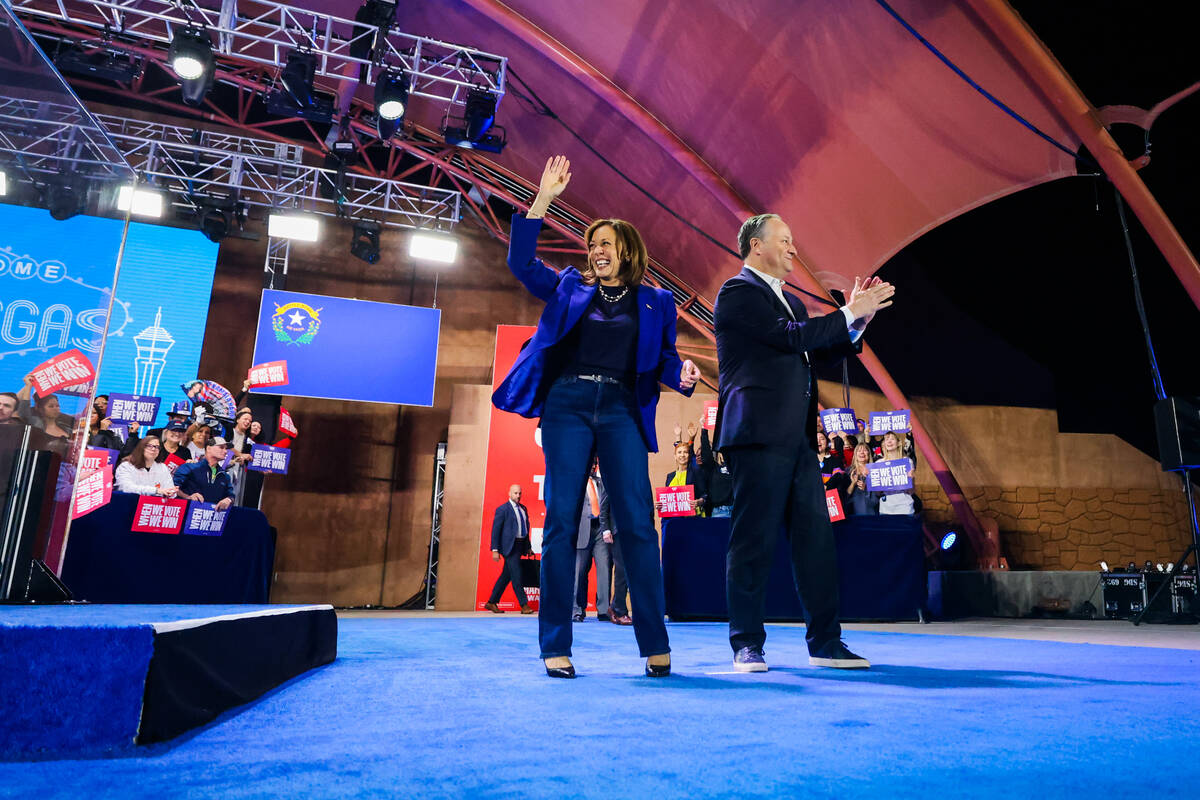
(173, 443)
(205, 479)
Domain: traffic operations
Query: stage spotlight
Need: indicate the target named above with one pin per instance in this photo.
(433, 247)
(475, 130)
(949, 551)
(140, 202)
(191, 59)
(374, 15)
(298, 98)
(302, 227)
(214, 223)
(949, 540)
(391, 94)
(364, 243)
(65, 199)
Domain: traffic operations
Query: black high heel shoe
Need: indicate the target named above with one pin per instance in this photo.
(657, 670)
(560, 672)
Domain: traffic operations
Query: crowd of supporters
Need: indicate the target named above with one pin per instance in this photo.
(194, 455)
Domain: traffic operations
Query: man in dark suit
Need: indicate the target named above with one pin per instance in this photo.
(766, 430)
(510, 541)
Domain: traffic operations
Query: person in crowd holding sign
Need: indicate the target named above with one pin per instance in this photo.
(510, 541)
(828, 458)
(99, 434)
(901, 501)
(860, 502)
(687, 474)
(142, 473)
(205, 480)
(43, 414)
(766, 344)
(173, 444)
(592, 370)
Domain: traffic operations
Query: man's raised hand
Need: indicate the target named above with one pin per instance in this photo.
(868, 296)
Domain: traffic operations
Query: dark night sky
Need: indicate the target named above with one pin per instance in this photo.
(1029, 300)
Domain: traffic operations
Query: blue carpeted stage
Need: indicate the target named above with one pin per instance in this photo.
(96, 679)
(446, 707)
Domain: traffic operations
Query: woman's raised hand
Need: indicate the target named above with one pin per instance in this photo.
(555, 178)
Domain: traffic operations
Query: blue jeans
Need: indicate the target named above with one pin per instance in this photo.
(582, 418)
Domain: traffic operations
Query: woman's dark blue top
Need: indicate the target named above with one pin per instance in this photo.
(604, 342)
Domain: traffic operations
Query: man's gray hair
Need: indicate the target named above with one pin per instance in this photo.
(752, 229)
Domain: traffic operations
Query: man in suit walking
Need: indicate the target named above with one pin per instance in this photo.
(766, 430)
(510, 541)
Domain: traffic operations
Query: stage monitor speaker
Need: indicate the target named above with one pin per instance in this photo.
(1177, 420)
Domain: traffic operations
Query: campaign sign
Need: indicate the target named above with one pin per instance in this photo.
(889, 476)
(203, 519)
(132, 408)
(93, 490)
(95, 458)
(837, 420)
(286, 424)
(121, 429)
(273, 373)
(264, 458)
(833, 504)
(675, 501)
(159, 514)
(173, 461)
(710, 414)
(881, 422)
(64, 370)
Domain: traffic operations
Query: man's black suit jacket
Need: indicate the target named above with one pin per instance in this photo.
(768, 393)
(505, 528)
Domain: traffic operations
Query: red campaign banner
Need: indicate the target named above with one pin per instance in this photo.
(270, 373)
(65, 369)
(93, 490)
(833, 503)
(286, 424)
(710, 414)
(675, 501)
(159, 514)
(514, 456)
(173, 461)
(95, 458)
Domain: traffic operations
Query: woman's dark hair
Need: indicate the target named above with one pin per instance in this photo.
(630, 249)
(138, 456)
(198, 426)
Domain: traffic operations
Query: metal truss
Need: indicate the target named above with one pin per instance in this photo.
(264, 32)
(198, 165)
(435, 531)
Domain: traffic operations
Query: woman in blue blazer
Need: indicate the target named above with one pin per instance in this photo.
(591, 372)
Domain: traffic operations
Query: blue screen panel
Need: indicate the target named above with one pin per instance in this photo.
(55, 278)
(343, 349)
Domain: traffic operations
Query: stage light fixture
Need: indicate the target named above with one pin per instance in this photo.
(948, 540)
(191, 59)
(476, 129)
(64, 198)
(433, 247)
(104, 62)
(377, 15)
(214, 223)
(140, 202)
(301, 227)
(364, 242)
(391, 95)
(298, 98)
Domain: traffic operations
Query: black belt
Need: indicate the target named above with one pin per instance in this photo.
(599, 379)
